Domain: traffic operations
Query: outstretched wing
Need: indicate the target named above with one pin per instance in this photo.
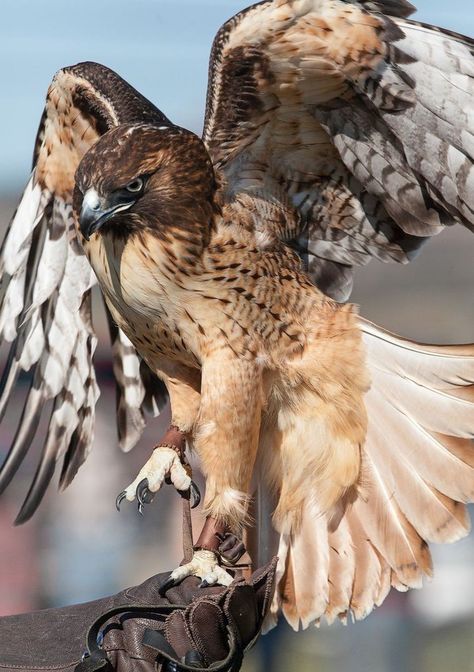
(350, 130)
(46, 282)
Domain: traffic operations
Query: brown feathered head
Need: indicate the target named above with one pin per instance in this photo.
(145, 176)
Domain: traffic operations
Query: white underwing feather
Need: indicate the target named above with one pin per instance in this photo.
(45, 303)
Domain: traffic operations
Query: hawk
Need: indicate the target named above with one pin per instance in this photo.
(336, 131)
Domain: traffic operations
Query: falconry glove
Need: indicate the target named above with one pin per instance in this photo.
(137, 630)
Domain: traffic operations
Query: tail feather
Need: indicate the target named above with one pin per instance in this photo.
(302, 574)
(342, 557)
(390, 531)
(426, 364)
(401, 438)
(417, 474)
(309, 555)
(461, 449)
(371, 571)
(417, 402)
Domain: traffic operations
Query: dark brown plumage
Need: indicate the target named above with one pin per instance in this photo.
(178, 173)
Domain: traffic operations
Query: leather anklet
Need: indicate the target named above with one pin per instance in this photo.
(174, 439)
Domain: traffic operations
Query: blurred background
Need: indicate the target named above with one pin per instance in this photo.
(77, 547)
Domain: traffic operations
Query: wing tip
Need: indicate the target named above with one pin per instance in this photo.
(34, 497)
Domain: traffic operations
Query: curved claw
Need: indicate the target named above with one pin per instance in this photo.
(166, 585)
(231, 549)
(193, 494)
(143, 493)
(119, 500)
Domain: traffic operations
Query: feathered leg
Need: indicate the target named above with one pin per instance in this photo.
(226, 439)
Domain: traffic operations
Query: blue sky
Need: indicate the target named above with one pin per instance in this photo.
(160, 46)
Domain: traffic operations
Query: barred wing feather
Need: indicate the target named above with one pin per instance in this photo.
(46, 284)
(350, 123)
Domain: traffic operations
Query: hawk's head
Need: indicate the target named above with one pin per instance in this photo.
(144, 176)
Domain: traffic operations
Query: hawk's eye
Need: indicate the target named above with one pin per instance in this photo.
(135, 186)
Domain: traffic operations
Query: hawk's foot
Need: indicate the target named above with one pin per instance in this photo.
(164, 465)
(216, 549)
(205, 565)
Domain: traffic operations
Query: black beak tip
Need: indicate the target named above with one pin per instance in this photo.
(89, 222)
(96, 212)
(91, 219)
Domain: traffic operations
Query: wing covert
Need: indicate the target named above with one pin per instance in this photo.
(354, 119)
(46, 284)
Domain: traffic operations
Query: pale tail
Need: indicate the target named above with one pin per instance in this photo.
(417, 476)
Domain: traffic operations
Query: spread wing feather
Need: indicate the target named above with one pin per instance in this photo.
(355, 124)
(46, 283)
(138, 390)
(417, 477)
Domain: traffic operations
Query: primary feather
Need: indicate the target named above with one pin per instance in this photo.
(46, 282)
(329, 109)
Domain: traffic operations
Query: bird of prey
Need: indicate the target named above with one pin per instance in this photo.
(336, 131)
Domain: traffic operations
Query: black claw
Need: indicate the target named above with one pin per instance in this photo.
(143, 493)
(120, 499)
(194, 494)
(231, 548)
(234, 554)
(166, 585)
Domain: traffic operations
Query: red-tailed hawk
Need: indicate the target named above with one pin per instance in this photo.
(335, 132)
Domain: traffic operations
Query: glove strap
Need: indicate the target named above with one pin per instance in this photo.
(175, 439)
(187, 531)
(155, 640)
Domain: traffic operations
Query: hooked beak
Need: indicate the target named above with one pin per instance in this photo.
(96, 211)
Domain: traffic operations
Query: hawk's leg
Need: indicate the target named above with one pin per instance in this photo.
(216, 550)
(226, 439)
(166, 464)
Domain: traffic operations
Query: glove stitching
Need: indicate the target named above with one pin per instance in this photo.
(201, 647)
